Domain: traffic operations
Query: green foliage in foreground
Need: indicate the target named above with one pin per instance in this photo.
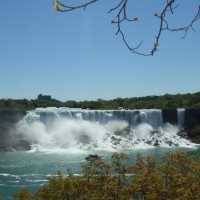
(177, 177)
(163, 102)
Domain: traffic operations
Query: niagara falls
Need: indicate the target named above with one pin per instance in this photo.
(79, 129)
(99, 100)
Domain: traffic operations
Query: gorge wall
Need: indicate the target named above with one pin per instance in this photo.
(8, 139)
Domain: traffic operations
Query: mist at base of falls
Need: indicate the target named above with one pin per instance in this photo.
(75, 130)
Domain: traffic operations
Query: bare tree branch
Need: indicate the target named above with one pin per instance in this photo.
(65, 8)
(169, 5)
(186, 28)
(121, 16)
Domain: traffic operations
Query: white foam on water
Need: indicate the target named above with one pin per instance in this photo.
(36, 181)
(10, 175)
(17, 181)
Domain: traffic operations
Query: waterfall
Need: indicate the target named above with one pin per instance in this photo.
(72, 129)
(181, 117)
(132, 117)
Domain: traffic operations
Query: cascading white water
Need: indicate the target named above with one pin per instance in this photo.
(78, 129)
(181, 117)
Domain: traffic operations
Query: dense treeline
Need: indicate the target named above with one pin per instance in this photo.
(177, 177)
(24, 104)
(162, 102)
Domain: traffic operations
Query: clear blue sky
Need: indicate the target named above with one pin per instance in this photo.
(77, 55)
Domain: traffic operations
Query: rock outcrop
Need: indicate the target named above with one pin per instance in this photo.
(8, 139)
(192, 124)
(170, 116)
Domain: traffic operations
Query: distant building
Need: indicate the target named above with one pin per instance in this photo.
(44, 97)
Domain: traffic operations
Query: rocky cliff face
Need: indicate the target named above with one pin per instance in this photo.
(8, 140)
(192, 118)
(170, 116)
(192, 124)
